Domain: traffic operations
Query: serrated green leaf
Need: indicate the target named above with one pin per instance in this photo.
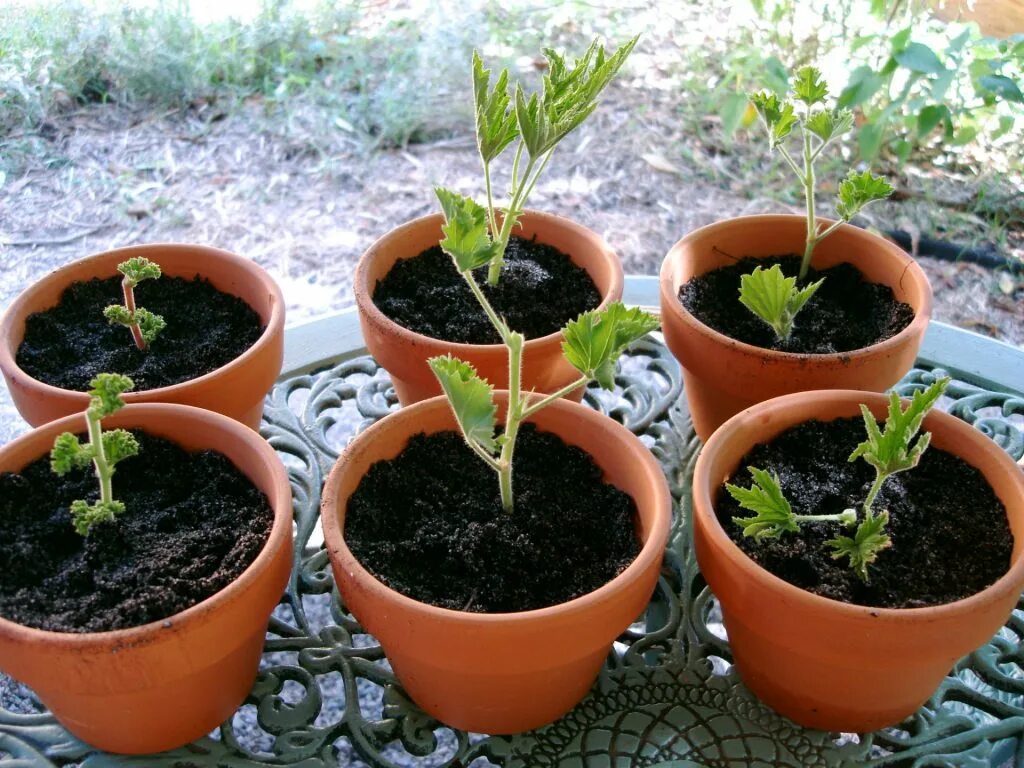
(119, 444)
(778, 117)
(826, 124)
(774, 298)
(137, 269)
(496, 124)
(471, 399)
(809, 86)
(150, 324)
(859, 189)
(863, 549)
(595, 340)
(773, 513)
(467, 237)
(888, 450)
(918, 57)
(105, 393)
(68, 453)
(118, 314)
(84, 516)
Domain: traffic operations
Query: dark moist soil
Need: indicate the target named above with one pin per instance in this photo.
(193, 524)
(430, 525)
(69, 344)
(846, 313)
(538, 292)
(950, 536)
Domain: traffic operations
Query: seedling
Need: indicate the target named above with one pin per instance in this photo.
(539, 123)
(772, 299)
(593, 343)
(144, 325)
(104, 450)
(888, 450)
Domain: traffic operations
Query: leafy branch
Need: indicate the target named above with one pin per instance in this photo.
(104, 450)
(144, 325)
(774, 298)
(819, 127)
(888, 450)
(539, 122)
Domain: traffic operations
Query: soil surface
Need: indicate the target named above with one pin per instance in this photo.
(845, 313)
(69, 344)
(539, 291)
(940, 510)
(430, 525)
(193, 524)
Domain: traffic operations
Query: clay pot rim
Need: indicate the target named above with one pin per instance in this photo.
(16, 311)
(653, 548)
(280, 499)
(670, 299)
(364, 291)
(1006, 584)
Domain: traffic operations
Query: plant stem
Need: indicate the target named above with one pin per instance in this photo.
(99, 460)
(499, 325)
(847, 517)
(129, 302)
(873, 493)
(513, 418)
(812, 224)
(548, 399)
(491, 218)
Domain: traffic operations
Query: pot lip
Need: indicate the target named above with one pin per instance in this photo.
(279, 498)
(651, 550)
(364, 292)
(1009, 582)
(671, 303)
(273, 329)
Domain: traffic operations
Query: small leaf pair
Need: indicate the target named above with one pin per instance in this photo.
(774, 298)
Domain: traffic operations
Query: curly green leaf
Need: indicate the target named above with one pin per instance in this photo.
(863, 549)
(68, 453)
(774, 298)
(85, 516)
(595, 340)
(105, 393)
(137, 269)
(859, 189)
(471, 399)
(149, 324)
(119, 444)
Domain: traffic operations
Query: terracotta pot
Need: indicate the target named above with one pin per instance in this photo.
(722, 376)
(404, 353)
(827, 664)
(501, 673)
(167, 683)
(236, 389)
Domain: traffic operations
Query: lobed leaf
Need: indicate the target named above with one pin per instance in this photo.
(137, 269)
(106, 392)
(595, 340)
(889, 450)
(467, 239)
(773, 513)
(859, 189)
(827, 124)
(863, 549)
(810, 86)
(118, 314)
(471, 399)
(778, 117)
(119, 444)
(496, 126)
(84, 516)
(68, 453)
(150, 324)
(774, 298)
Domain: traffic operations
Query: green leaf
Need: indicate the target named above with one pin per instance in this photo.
(863, 549)
(150, 324)
(137, 269)
(864, 83)
(68, 453)
(85, 516)
(595, 340)
(778, 117)
(105, 393)
(119, 444)
(471, 399)
(774, 298)
(918, 57)
(869, 140)
(733, 108)
(859, 189)
(467, 238)
(900, 39)
(118, 314)
(809, 86)
(496, 124)
(773, 513)
(1003, 87)
(889, 450)
(826, 124)
(929, 117)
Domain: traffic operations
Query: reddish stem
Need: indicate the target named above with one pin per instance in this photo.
(129, 303)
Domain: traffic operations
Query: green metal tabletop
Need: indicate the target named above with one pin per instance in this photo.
(667, 695)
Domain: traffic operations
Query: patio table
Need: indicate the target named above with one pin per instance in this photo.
(667, 696)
